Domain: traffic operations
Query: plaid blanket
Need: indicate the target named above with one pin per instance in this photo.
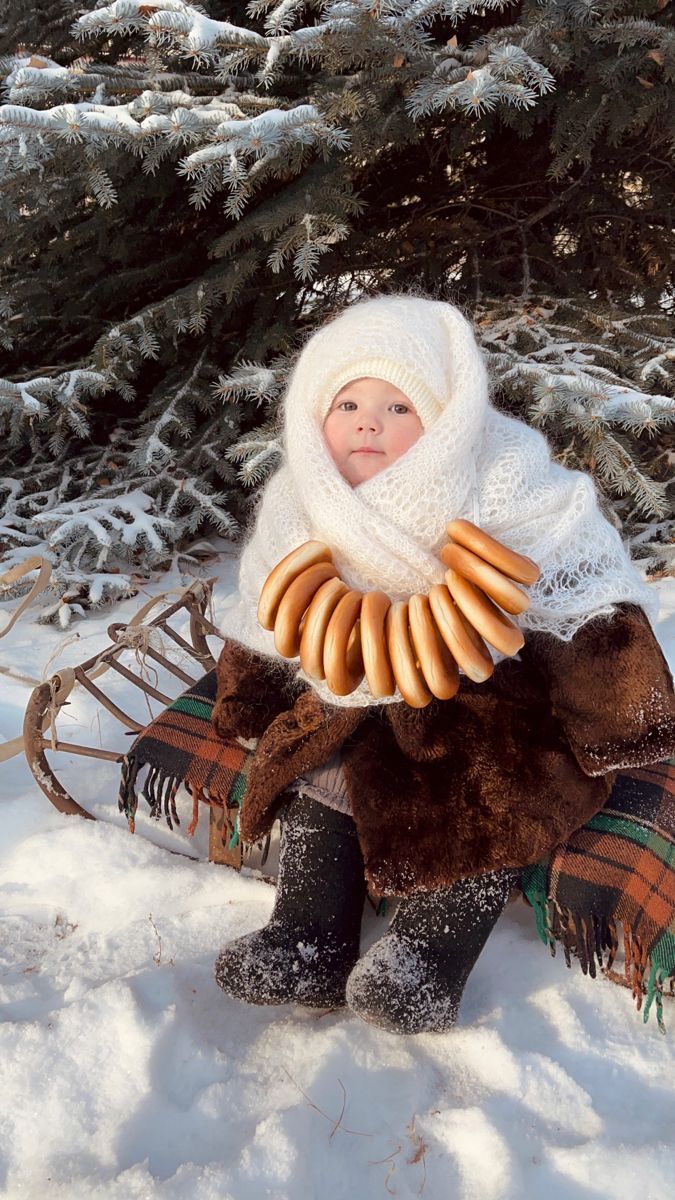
(619, 869)
(181, 746)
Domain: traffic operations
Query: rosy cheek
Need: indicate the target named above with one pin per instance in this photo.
(334, 442)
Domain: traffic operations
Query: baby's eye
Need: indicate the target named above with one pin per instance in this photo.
(403, 406)
(343, 402)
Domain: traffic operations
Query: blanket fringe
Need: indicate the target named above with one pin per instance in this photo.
(160, 790)
(230, 835)
(588, 936)
(127, 799)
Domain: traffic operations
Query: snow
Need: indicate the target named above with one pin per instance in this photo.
(128, 1075)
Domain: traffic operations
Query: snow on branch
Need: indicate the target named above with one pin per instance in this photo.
(237, 152)
(101, 518)
(243, 153)
(267, 134)
(233, 147)
(280, 20)
(29, 399)
(172, 21)
(123, 16)
(511, 62)
(247, 381)
(258, 453)
(207, 503)
(75, 122)
(479, 90)
(195, 33)
(544, 355)
(93, 514)
(153, 446)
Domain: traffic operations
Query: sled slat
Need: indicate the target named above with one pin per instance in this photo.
(86, 751)
(113, 708)
(169, 666)
(140, 683)
(175, 637)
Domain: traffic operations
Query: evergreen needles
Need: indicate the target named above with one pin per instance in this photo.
(188, 190)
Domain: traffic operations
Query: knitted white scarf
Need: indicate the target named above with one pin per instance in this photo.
(472, 461)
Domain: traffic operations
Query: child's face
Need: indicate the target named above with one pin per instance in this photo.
(369, 415)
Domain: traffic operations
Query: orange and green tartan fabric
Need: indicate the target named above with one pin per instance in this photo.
(181, 746)
(618, 869)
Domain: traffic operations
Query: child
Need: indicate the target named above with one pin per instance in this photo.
(388, 435)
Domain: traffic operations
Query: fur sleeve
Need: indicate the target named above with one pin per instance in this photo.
(611, 689)
(251, 691)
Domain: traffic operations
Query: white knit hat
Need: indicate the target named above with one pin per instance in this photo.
(427, 406)
(401, 339)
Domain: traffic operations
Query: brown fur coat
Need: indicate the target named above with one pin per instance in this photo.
(494, 777)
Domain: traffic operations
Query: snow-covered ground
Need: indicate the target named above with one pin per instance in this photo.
(127, 1074)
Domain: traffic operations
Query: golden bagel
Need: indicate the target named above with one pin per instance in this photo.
(465, 645)
(516, 566)
(293, 603)
(354, 655)
(435, 660)
(278, 580)
(497, 586)
(340, 662)
(489, 621)
(376, 662)
(316, 621)
(402, 656)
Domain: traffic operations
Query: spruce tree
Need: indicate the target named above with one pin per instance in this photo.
(188, 191)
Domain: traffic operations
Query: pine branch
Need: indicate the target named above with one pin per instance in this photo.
(184, 199)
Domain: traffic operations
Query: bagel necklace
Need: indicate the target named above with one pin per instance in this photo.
(417, 644)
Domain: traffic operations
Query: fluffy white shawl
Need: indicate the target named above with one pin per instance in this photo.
(472, 461)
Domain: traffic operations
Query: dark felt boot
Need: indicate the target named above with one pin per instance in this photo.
(412, 979)
(311, 941)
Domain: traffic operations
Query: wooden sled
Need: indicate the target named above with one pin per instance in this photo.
(42, 743)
